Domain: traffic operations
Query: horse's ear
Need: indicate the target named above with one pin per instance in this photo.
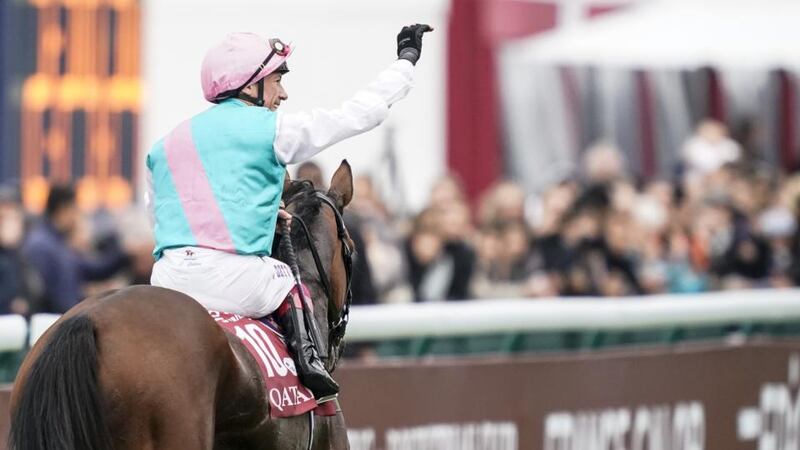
(342, 185)
(287, 180)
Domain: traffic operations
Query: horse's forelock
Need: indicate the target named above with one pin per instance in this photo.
(302, 196)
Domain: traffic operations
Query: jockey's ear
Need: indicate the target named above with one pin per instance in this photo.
(342, 185)
(287, 180)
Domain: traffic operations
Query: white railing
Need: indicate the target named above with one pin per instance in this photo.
(375, 323)
(13, 331)
(372, 323)
(39, 324)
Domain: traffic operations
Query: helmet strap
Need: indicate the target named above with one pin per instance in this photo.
(259, 99)
(238, 91)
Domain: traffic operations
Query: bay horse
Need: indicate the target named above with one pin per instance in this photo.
(148, 368)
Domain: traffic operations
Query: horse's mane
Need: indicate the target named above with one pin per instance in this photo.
(306, 205)
(304, 196)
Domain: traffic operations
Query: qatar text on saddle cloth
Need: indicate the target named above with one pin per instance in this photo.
(287, 396)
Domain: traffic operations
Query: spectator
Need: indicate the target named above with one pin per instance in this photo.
(367, 201)
(50, 249)
(603, 164)
(439, 269)
(445, 191)
(682, 276)
(650, 215)
(137, 240)
(778, 225)
(383, 244)
(361, 284)
(737, 256)
(709, 149)
(312, 172)
(548, 211)
(564, 252)
(620, 240)
(503, 202)
(20, 287)
(508, 266)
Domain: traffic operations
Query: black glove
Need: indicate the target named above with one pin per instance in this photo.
(409, 42)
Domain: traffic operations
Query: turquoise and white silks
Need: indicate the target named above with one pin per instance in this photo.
(217, 182)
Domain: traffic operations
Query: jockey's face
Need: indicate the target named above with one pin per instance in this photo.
(274, 93)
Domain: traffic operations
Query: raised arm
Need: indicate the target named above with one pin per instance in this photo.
(300, 136)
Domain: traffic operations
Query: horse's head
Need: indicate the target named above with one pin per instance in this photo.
(324, 251)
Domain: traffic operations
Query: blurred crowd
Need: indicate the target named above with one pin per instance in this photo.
(723, 220)
(51, 261)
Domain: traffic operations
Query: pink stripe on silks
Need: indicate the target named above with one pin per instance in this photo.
(194, 190)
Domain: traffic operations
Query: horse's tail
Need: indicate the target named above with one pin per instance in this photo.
(60, 405)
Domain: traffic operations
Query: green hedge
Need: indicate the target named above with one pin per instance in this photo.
(9, 364)
(568, 341)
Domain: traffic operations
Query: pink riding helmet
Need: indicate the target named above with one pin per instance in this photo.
(232, 62)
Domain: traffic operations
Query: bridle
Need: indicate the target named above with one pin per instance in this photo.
(337, 318)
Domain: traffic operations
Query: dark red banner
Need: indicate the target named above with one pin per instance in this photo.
(717, 398)
(742, 397)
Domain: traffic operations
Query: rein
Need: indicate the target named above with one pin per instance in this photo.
(337, 318)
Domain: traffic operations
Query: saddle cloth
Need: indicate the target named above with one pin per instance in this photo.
(287, 396)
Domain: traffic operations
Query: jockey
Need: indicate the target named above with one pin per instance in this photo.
(215, 182)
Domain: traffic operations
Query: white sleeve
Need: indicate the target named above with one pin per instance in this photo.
(300, 136)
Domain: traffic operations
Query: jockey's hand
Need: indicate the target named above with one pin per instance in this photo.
(409, 41)
(284, 215)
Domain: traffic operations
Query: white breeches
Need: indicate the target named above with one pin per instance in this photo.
(251, 286)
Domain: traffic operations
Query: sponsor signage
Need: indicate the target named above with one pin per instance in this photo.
(742, 397)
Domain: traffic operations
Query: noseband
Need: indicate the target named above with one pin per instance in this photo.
(337, 318)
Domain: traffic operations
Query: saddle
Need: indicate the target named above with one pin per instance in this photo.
(264, 340)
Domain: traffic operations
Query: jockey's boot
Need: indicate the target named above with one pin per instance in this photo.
(310, 368)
